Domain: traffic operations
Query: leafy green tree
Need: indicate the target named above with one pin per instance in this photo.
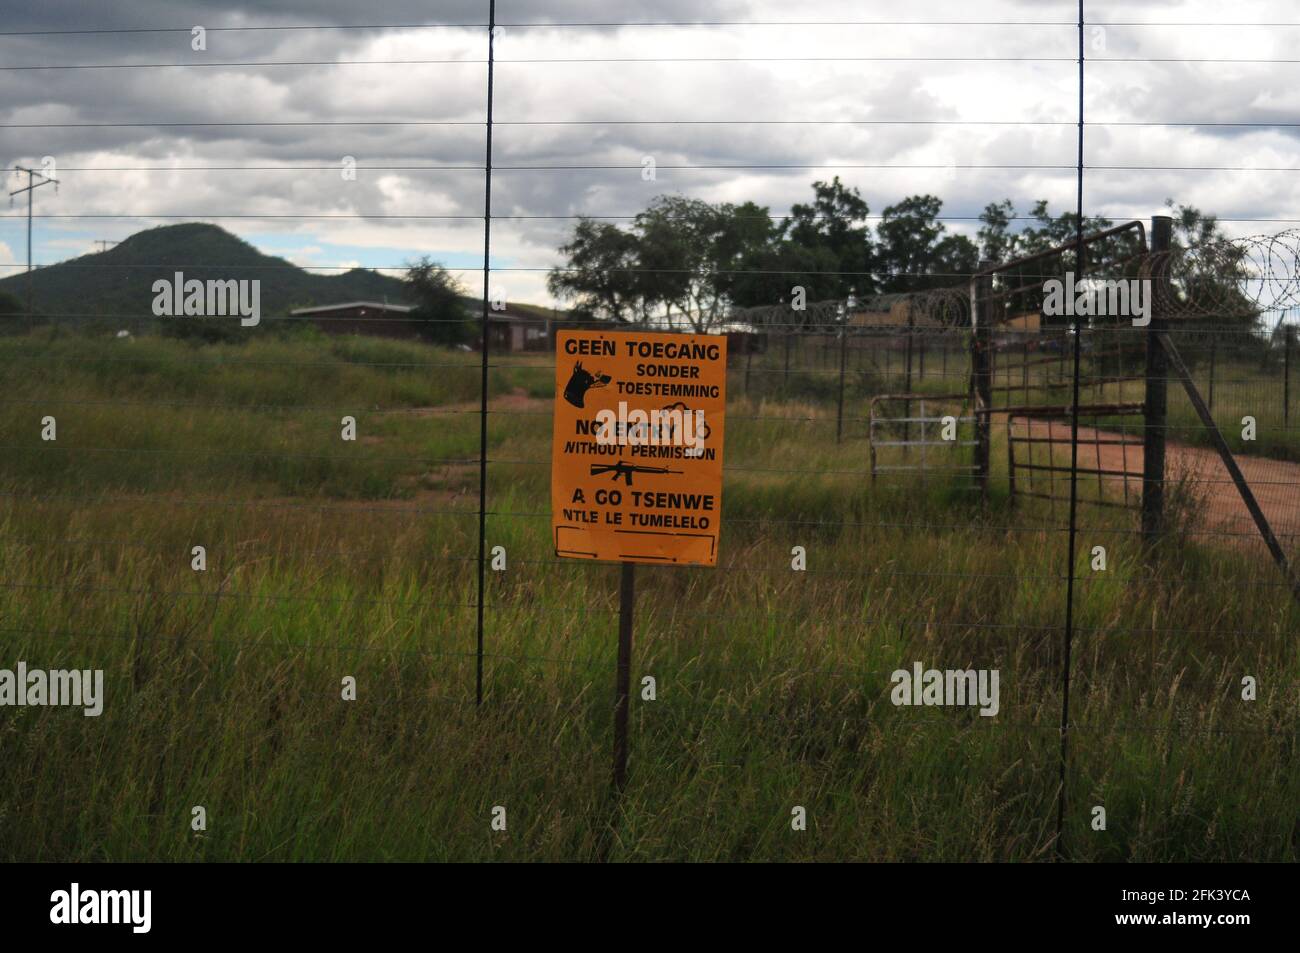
(601, 276)
(672, 236)
(781, 268)
(694, 257)
(955, 259)
(680, 257)
(997, 243)
(439, 302)
(833, 233)
(749, 256)
(914, 249)
(1209, 273)
(1052, 231)
(684, 259)
(1114, 258)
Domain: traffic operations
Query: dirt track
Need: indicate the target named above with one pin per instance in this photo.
(1275, 483)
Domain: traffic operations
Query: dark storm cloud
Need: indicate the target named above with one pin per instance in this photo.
(436, 112)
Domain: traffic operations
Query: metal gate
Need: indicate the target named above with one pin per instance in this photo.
(918, 436)
(1109, 459)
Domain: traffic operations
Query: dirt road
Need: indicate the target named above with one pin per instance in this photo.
(1276, 484)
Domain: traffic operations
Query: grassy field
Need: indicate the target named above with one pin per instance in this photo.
(329, 559)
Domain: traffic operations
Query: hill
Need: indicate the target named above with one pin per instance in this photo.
(118, 282)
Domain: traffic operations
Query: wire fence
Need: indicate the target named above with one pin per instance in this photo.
(945, 476)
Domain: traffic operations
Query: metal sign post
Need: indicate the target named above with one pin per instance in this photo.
(623, 676)
(636, 464)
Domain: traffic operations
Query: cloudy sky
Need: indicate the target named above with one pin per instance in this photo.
(147, 131)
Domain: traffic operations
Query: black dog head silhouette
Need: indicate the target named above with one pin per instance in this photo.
(582, 381)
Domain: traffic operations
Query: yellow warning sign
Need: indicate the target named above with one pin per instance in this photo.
(636, 462)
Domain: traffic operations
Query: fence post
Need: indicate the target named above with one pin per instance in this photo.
(1060, 364)
(907, 372)
(839, 409)
(623, 672)
(907, 383)
(1286, 375)
(1214, 352)
(981, 311)
(1155, 402)
(785, 384)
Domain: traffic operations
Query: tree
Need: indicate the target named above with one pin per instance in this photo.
(1208, 275)
(955, 259)
(1022, 284)
(696, 260)
(1059, 230)
(1192, 227)
(439, 305)
(915, 251)
(997, 243)
(686, 249)
(748, 256)
(833, 233)
(683, 259)
(601, 276)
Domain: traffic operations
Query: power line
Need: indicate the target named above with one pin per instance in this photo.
(485, 330)
(674, 167)
(30, 188)
(1263, 123)
(627, 24)
(594, 60)
(590, 24)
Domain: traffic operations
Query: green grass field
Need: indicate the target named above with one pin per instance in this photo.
(329, 559)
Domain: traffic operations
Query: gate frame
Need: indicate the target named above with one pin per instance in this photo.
(908, 419)
(981, 310)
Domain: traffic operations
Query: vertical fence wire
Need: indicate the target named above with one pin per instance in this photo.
(1068, 636)
(483, 364)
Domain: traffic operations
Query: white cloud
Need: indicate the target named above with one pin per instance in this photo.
(285, 178)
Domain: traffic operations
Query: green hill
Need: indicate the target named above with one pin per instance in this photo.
(118, 282)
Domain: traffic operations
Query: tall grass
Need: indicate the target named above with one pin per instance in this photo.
(329, 559)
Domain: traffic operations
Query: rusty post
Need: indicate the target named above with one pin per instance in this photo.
(623, 675)
(1156, 399)
(839, 404)
(1286, 375)
(981, 312)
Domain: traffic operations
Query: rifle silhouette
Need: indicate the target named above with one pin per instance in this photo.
(624, 471)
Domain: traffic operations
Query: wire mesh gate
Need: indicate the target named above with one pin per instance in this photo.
(1110, 460)
(1023, 372)
(914, 438)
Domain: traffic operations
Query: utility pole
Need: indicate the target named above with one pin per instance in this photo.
(103, 245)
(32, 186)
